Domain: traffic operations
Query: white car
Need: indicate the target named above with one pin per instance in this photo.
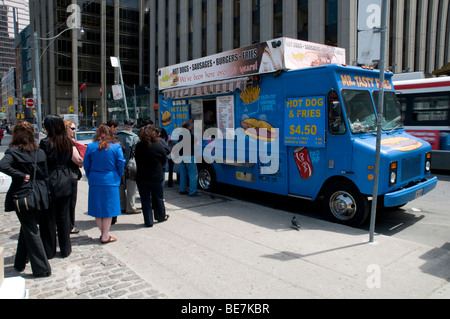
(5, 182)
(85, 137)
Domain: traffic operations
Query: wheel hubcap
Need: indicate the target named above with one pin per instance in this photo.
(204, 179)
(343, 206)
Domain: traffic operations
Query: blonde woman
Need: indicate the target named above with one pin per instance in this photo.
(75, 172)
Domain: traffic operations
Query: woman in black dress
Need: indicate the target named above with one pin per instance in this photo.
(58, 148)
(18, 163)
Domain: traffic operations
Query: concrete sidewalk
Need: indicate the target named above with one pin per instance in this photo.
(215, 247)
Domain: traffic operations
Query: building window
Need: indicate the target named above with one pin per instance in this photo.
(302, 19)
(331, 22)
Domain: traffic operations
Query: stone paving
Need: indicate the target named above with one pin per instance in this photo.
(90, 272)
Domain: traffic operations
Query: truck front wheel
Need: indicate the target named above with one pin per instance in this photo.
(345, 204)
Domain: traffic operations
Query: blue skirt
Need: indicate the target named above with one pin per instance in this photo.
(104, 201)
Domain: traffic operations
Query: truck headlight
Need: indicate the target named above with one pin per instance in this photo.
(428, 163)
(393, 174)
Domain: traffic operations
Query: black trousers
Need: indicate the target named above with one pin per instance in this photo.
(57, 221)
(170, 181)
(73, 202)
(151, 194)
(30, 246)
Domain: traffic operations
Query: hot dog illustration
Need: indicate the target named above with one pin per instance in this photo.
(259, 129)
(402, 144)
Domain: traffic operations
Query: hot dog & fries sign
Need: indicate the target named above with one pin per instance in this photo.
(305, 121)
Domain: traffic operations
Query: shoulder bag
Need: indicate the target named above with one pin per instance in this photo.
(27, 197)
(131, 169)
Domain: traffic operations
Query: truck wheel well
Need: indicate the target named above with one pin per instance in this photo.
(334, 180)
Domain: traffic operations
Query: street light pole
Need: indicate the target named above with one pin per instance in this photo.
(115, 62)
(38, 82)
(383, 31)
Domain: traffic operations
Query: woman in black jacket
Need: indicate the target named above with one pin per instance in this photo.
(150, 160)
(18, 163)
(58, 148)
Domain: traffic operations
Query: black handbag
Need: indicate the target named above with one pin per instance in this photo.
(131, 169)
(26, 198)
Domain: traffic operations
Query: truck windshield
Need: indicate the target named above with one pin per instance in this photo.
(392, 114)
(359, 110)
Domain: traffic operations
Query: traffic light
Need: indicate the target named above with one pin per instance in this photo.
(24, 101)
(71, 109)
(10, 101)
(81, 109)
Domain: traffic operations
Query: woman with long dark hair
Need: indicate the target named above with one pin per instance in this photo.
(58, 148)
(150, 160)
(18, 163)
(104, 164)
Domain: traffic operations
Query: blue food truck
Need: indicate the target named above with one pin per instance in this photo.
(290, 117)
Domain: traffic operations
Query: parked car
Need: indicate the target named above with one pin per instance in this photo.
(85, 137)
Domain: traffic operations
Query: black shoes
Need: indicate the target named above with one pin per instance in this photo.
(163, 220)
(44, 274)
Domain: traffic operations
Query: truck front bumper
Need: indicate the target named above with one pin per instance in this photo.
(408, 194)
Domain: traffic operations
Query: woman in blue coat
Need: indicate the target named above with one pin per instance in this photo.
(104, 164)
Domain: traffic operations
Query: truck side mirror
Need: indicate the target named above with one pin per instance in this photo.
(335, 123)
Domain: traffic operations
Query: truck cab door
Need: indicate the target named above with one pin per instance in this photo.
(339, 146)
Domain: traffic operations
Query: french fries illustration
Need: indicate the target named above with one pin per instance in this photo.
(250, 94)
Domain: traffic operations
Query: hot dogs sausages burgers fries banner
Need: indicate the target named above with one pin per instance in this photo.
(265, 57)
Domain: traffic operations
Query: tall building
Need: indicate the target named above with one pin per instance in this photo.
(14, 17)
(150, 34)
(72, 59)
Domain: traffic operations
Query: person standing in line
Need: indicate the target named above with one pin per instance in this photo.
(58, 148)
(128, 139)
(75, 172)
(163, 139)
(188, 167)
(104, 164)
(150, 160)
(18, 163)
(114, 127)
(2, 133)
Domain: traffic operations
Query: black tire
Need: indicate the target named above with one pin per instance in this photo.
(206, 177)
(344, 204)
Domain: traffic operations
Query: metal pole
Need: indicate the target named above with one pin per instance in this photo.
(123, 89)
(380, 119)
(38, 83)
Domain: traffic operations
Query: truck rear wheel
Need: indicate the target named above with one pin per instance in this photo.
(345, 204)
(206, 177)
